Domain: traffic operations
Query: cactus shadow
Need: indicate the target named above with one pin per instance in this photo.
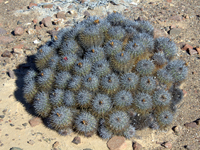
(20, 72)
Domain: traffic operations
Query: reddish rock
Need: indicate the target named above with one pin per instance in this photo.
(76, 140)
(192, 51)
(31, 5)
(1, 1)
(169, 1)
(61, 14)
(18, 31)
(47, 21)
(35, 121)
(187, 46)
(191, 125)
(136, 146)
(167, 145)
(5, 39)
(117, 143)
(177, 18)
(35, 21)
(20, 46)
(48, 6)
(55, 144)
(6, 54)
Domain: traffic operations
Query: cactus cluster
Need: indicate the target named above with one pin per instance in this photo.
(106, 76)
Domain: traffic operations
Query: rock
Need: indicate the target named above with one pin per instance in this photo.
(47, 21)
(35, 121)
(57, 21)
(167, 145)
(18, 49)
(11, 74)
(136, 146)
(15, 148)
(198, 121)
(55, 144)
(48, 6)
(18, 31)
(117, 143)
(87, 149)
(176, 17)
(76, 140)
(175, 32)
(20, 46)
(31, 31)
(6, 54)
(159, 33)
(5, 39)
(35, 21)
(31, 5)
(187, 46)
(86, 13)
(192, 51)
(169, 1)
(2, 31)
(190, 125)
(177, 130)
(30, 142)
(61, 14)
(36, 42)
(25, 124)
(115, 2)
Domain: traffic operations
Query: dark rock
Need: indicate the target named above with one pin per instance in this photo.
(87, 149)
(18, 31)
(47, 21)
(12, 125)
(15, 148)
(35, 121)
(5, 39)
(76, 140)
(190, 125)
(2, 116)
(19, 22)
(136, 146)
(117, 143)
(11, 74)
(6, 54)
(2, 31)
(175, 32)
(25, 124)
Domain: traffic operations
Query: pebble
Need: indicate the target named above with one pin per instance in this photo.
(55, 144)
(12, 125)
(35, 21)
(76, 140)
(169, 1)
(19, 22)
(187, 46)
(198, 122)
(5, 39)
(61, 14)
(15, 148)
(2, 31)
(11, 74)
(18, 31)
(48, 6)
(117, 143)
(31, 5)
(31, 31)
(167, 145)
(2, 116)
(6, 53)
(30, 142)
(198, 50)
(190, 125)
(87, 149)
(36, 42)
(177, 130)
(176, 18)
(35, 121)
(25, 124)
(159, 33)
(192, 51)
(136, 146)
(175, 32)
(47, 21)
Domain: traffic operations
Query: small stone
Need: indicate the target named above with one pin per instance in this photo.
(15, 148)
(37, 27)
(35, 121)
(55, 144)
(136, 146)
(76, 140)
(5, 39)
(198, 50)
(192, 51)
(177, 18)
(159, 33)
(31, 31)
(2, 31)
(11, 74)
(175, 32)
(167, 145)
(25, 124)
(177, 130)
(18, 31)
(6, 54)
(35, 21)
(187, 46)
(18, 51)
(61, 14)
(87, 149)
(31, 5)
(36, 42)
(190, 125)
(57, 21)
(48, 6)
(117, 143)
(12, 125)
(2, 116)
(30, 142)
(20, 46)
(47, 21)
(86, 13)
(169, 1)
(19, 22)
